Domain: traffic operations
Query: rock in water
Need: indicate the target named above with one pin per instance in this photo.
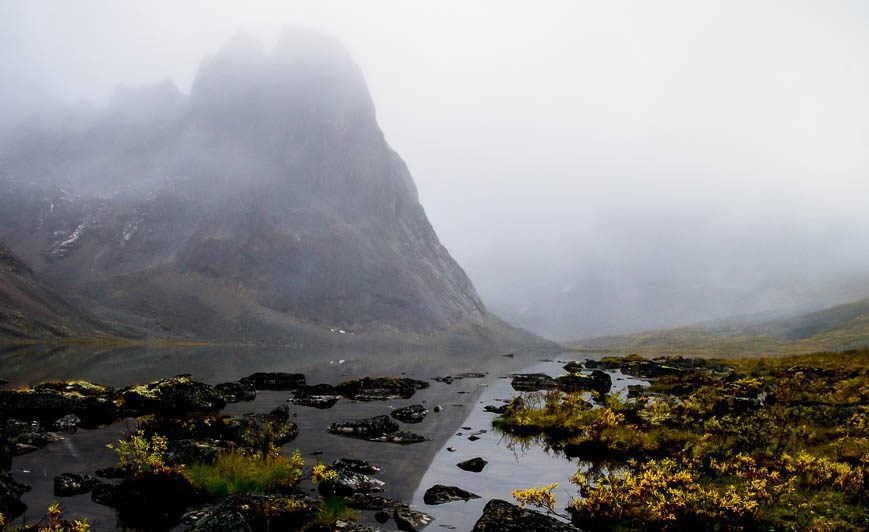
(174, 395)
(69, 484)
(501, 516)
(410, 414)
(440, 494)
(264, 201)
(474, 465)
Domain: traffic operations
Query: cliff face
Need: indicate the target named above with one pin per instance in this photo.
(29, 308)
(265, 200)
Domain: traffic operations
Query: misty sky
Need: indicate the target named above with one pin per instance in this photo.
(595, 167)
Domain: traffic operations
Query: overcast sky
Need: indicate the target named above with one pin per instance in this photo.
(594, 166)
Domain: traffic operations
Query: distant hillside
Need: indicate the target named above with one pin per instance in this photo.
(834, 329)
(31, 309)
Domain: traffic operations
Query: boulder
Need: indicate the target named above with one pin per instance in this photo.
(175, 395)
(318, 396)
(410, 520)
(574, 366)
(531, 382)
(440, 494)
(69, 484)
(68, 423)
(410, 414)
(501, 516)
(275, 381)
(233, 392)
(381, 388)
(474, 465)
(598, 381)
(347, 482)
(274, 426)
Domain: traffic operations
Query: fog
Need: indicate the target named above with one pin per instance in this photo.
(596, 167)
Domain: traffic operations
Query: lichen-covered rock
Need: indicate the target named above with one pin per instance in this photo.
(531, 382)
(275, 381)
(381, 388)
(410, 414)
(474, 465)
(501, 516)
(440, 494)
(175, 395)
(69, 484)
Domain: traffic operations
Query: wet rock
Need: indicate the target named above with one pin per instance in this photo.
(250, 511)
(10, 496)
(410, 520)
(319, 396)
(474, 465)
(366, 501)
(69, 484)
(347, 482)
(473, 437)
(276, 424)
(410, 414)
(364, 428)
(154, 500)
(104, 494)
(531, 382)
(381, 388)
(233, 392)
(440, 494)
(501, 516)
(190, 451)
(48, 405)
(495, 409)
(357, 466)
(68, 424)
(275, 381)
(175, 395)
(574, 366)
(114, 472)
(598, 381)
(437, 408)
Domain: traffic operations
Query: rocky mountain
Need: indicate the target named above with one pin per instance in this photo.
(263, 204)
(29, 308)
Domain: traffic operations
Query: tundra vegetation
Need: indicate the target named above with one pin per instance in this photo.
(748, 443)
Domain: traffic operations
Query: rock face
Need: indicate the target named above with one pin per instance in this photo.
(265, 201)
(29, 308)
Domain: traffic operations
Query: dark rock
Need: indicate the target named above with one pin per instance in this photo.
(410, 520)
(175, 395)
(401, 437)
(233, 392)
(366, 501)
(508, 355)
(531, 382)
(319, 396)
(275, 381)
(275, 425)
(473, 437)
(635, 390)
(437, 408)
(154, 500)
(381, 516)
(495, 409)
(190, 452)
(364, 428)
(474, 465)
(440, 494)
(244, 512)
(446, 380)
(381, 388)
(410, 414)
(501, 516)
(598, 381)
(68, 424)
(357, 466)
(78, 388)
(69, 484)
(574, 366)
(347, 482)
(104, 494)
(48, 405)
(114, 472)
(10, 496)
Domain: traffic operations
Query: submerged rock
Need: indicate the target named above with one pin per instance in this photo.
(474, 465)
(440, 494)
(501, 516)
(381, 388)
(275, 381)
(410, 414)
(69, 484)
(175, 395)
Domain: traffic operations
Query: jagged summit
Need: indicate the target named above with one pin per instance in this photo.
(265, 201)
